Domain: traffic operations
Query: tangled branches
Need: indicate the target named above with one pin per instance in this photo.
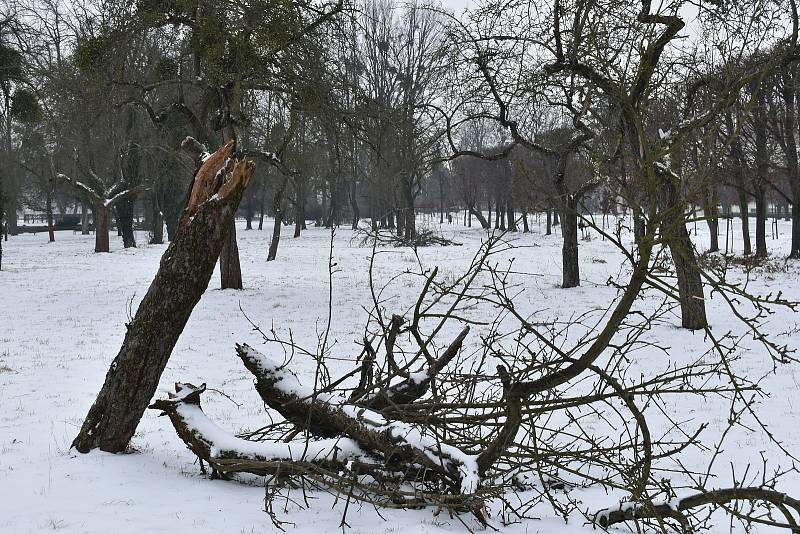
(497, 417)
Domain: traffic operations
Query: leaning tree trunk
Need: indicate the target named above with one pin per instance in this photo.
(673, 229)
(277, 207)
(183, 275)
(478, 215)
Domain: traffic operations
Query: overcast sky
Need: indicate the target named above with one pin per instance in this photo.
(457, 5)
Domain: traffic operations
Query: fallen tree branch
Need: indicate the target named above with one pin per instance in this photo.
(226, 453)
(631, 511)
(399, 444)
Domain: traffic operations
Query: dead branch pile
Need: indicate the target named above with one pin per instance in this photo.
(517, 418)
(366, 235)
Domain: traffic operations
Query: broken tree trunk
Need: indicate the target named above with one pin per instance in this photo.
(182, 277)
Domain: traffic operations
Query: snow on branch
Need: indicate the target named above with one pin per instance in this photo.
(212, 444)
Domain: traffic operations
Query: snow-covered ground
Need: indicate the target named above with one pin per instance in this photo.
(63, 311)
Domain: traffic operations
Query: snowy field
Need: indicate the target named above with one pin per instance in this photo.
(62, 320)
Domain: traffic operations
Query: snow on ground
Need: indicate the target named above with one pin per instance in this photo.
(62, 320)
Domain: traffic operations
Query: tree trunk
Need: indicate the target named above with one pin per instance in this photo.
(49, 209)
(410, 227)
(299, 209)
(354, 203)
(549, 222)
(761, 221)
(525, 228)
(84, 219)
(183, 275)
(512, 222)
(744, 213)
(712, 218)
(762, 169)
(400, 220)
(737, 155)
(276, 236)
(11, 215)
(156, 221)
(795, 250)
(230, 271)
(249, 212)
(478, 215)
(101, 215)
(673, 231)
(570, 269)
(277, 207)
(261, 202)
(125, 223)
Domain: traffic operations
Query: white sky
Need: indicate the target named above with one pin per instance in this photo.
(458, 5)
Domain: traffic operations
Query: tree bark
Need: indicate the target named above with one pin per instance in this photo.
(711, 215)
(744, 213)
(478, 215)
(101, 215)
(49, 209)
(761, 221)
(230, 270)
(354, 203)
(183, 275)
(84, 219)
(795, 247)
(11, 215)
(762, 169)
(549, 222)
(512, 222)
(125, 223)
(673, 230)
(277, 206)
(570, 269)
(156, 221)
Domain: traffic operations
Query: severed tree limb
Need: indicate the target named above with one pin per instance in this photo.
(400, 445)
(182, 278)
(226, 453)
